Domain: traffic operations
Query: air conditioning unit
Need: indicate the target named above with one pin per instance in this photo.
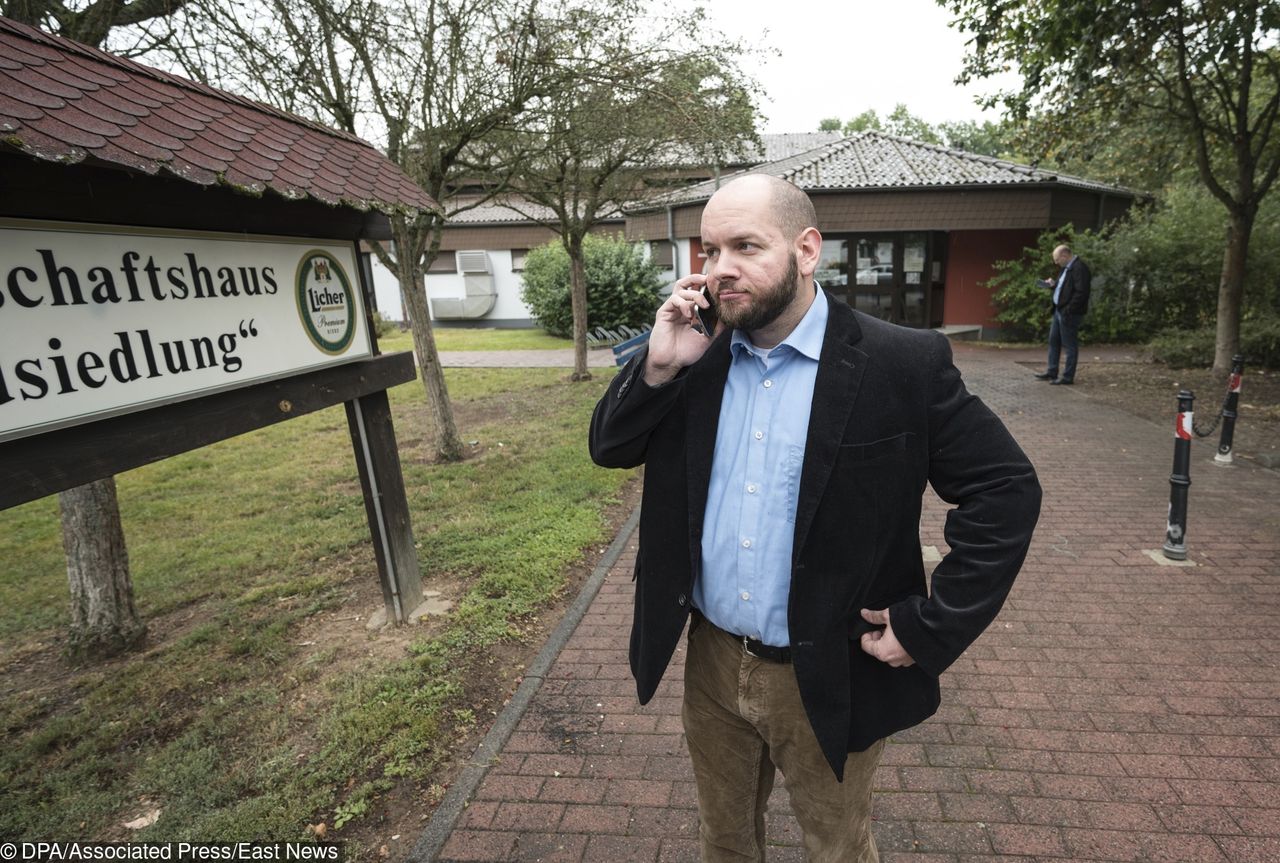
(481, 294)
(473, 261)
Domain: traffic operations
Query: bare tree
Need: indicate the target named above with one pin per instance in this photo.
(426, 79)
(104, 619)
(90, 23)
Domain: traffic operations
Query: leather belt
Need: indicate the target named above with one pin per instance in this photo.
(755, 648)
(760, 650)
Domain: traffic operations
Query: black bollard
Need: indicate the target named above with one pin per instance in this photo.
(1229, 411)
(1175, 537)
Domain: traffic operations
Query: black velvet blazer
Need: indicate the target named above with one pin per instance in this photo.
(890, 414)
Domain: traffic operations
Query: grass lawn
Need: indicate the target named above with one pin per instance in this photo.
(261, 703)
(457, 339)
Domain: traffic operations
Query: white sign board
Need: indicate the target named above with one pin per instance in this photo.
(97, 321)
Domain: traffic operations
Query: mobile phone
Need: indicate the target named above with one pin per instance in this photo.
(708, 317)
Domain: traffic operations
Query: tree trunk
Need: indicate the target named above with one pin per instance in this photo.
(578, 296)
(443, 431)
(104, 621)
(1231, 291)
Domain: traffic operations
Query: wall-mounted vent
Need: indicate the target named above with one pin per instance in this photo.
(474, 261)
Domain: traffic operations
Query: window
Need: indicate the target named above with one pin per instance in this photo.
(662, 253)
(445, 262)
(517, 259)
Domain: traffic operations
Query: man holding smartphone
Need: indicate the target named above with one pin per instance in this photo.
(786, 457)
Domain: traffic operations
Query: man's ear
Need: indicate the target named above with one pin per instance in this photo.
(808, 248)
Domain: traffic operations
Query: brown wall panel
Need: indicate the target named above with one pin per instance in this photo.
(506, 236)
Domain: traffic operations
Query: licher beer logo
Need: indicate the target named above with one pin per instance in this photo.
(326, 303)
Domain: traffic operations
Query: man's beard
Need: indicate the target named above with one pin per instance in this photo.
(765, 306)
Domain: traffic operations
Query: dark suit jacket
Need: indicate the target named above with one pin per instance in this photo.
(1074, 298)
(889, 414)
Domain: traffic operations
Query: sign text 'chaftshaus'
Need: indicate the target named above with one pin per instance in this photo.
(98, 321)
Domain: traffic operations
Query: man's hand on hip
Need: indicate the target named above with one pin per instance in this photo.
(882, 643)
(674, 343)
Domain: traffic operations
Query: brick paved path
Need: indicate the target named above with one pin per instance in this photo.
(1116, 710)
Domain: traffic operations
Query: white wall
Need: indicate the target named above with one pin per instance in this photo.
(509, 310)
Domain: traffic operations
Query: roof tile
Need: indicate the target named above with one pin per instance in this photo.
(192, 172)
(63, 101)
(96, 72)
(149, 133)
(95, 103)
(110, 152)
(17, 108)
(10, 84)
(45, 146)
(54, 127)
(46, 80)
(242, 166)
(211, 150)
(201, 160)
(874, 160)
(237, 177)
(252, 157)
(128, 141)
(161, 123)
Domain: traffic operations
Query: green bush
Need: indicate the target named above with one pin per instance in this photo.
(622, 287)
(383, 325)
(1259, 343)
(1155, 270)
(1183, 349)
(1024, 306)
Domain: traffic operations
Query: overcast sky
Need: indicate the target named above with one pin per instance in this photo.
(841, 58)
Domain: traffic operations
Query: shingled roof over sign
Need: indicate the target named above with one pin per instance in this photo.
(876, 161)
(66, 102)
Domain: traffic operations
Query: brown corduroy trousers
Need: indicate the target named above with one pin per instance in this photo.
(743, 720)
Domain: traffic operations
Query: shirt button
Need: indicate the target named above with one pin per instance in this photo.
(768, 384)
(751, 489)
(746, 543)
(745, 596)
(759, 435)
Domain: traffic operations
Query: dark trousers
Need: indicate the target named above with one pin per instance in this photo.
(1062, 334)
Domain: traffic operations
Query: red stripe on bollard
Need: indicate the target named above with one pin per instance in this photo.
(1182, 428)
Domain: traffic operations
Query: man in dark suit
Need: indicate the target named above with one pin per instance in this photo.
(1069, 303)
(786, 458)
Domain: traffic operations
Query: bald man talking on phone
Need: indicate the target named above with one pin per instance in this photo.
(786, 456)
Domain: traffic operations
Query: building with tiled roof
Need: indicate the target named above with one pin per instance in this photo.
(476, 280)
(911, 231)
(115, 141)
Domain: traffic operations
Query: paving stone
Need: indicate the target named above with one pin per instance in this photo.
(1083, 725)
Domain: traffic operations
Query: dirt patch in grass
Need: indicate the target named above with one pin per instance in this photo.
(1149, 390)
(403, 812)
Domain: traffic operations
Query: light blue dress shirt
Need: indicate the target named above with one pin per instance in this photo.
(748, 530)
(1062, 277)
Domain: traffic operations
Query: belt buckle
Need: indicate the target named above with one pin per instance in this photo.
(746, 648)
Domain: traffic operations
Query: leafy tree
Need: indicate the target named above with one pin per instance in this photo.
(623, 289)
(635, 94)
(867, 120)
(986, 138)
(1208, 70)
(998, 140)
(904, 124)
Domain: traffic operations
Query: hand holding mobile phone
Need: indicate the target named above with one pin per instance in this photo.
(708, 317)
